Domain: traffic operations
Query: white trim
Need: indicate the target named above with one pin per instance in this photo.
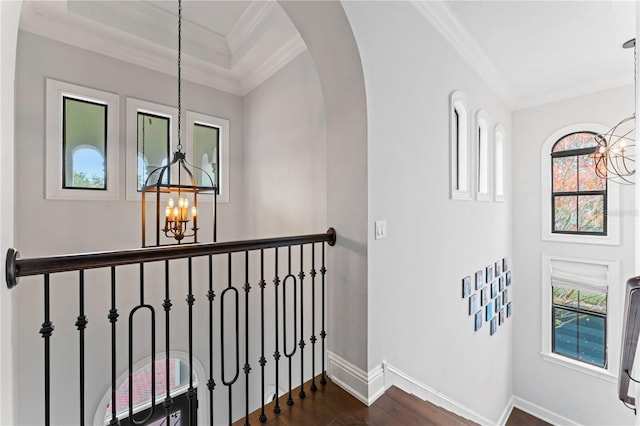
(615, 303)
(395, 377)
(281, 57)
(613, 194)
(542, 413)
(366, 387)
(506, 413)
(459, 101)
(56, 90)
(445, 22)
(133, 107)
(483, 127)
(500, 164)
(223, 125)
(200, 382)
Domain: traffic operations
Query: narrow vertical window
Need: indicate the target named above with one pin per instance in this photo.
(499, 163)
(483, 161)
(81, 143)
(579, 195)
(206, 142)
(460, 176)
(153, 145)
(84, 140)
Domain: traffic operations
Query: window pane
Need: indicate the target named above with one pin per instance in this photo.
(85, 144)
(565, 213)
(483, 160)
(205, 153)
(153, 146)
(499, 146)
(591, 213)
(594, 302)
(178, 377)
(565, 297)
(565, 332)
(591, 339)
(565, 176)
(589, 181)
(575, 141)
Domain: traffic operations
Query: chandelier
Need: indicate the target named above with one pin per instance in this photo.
(175, 185)
(615, 155)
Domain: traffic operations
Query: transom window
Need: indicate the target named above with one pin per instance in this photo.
(579, 196)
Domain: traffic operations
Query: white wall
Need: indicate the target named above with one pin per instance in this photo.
(418, 321)
(329, 38)
(579, 397)
(9, 19)
(45, 227)
(285, 153)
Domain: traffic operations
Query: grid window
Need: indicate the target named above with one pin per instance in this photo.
(579, 196)
(579, 325)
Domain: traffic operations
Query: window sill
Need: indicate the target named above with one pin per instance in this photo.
(580, 367)
(610, 240)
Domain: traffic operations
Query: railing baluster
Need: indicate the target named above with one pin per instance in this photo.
(263, 361)
(313, 318)
(301, 275)
(211, 384)
(46, 331)
(166, 304)
(81, 324)
(191, 392)
(323, 333)
(113, 317)
(289, 354)
(289, 317)
(247, 366)
(276, 354)
(152, 311)
(226, 382)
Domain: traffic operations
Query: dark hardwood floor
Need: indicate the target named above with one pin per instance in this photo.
(332, 406)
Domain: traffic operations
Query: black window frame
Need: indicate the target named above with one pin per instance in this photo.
(158, 116)
(577, 193)
(64, 142)
(579, 311)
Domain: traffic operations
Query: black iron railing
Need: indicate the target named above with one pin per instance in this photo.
(631, 331)
(287, 326)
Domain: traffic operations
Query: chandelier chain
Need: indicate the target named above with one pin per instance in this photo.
(179, 75)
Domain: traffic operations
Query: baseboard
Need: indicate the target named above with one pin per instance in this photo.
(364, 386)
(395, 377)
(506, 412)
(542, 413)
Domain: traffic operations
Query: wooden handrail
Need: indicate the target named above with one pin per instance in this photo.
(631, 330)
(16, 267)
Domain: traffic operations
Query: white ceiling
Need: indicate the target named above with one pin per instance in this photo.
(535, 52)
(530, 52)
(230, 45)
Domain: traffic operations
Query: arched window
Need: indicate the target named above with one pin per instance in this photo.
(498, 143)
(460, 149)
(141, 392)
(483, 165)
(579, 196)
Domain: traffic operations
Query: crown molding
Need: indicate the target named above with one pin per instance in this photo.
(273, 64)
(201, 65)
(256, 13)
(444, 21)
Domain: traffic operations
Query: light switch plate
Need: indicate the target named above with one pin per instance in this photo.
(381, 229)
